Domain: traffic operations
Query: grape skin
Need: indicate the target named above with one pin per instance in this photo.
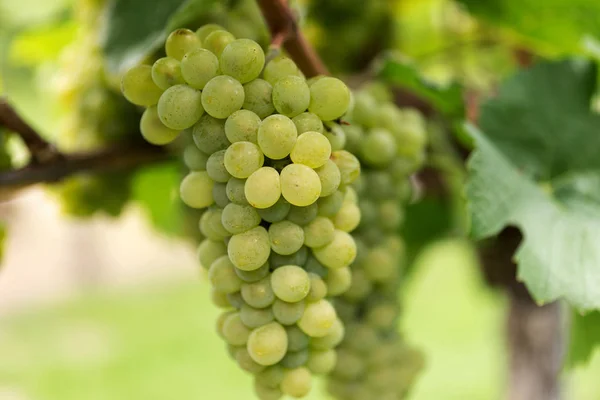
(153, 130)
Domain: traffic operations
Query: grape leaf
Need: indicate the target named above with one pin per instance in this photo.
(555, 26)
(585, 337)
(536, 166)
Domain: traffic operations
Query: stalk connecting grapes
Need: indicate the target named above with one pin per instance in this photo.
(268, 167)
(373, 361)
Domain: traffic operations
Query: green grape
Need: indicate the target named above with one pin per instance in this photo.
(303, 215)
(216, 41)
(215, 167)
(308, 122)
(277, 136)
(311, 149)
(389, 116)
(221, 321)
(296, 382)
(338, 281)
(364, 111)
(290, 283)
(318, 288)
(196, 189)
(318, 318)
(246, 362)
(339, 253)
(249, 250)
(314, 266)
(266, 393)
(297, 258)
(153, 130)
(139, 88)
(295, 359)
(263, 188)
(390, 215)
(193, 158)
(222, 96)
(378, 148)
(330, 177)
(329, 98)
(252, 276)
(180, 107)
(321, 362)
(207, 29)
(257, 98)
(180, 42)
(382, 316)
(291, 95)
(242, 126)
(349, 365)
(361, 338)
(220, 195)
(354, 138)
(348, 164)
(334, 336)
(280, 67)
(211, 225)
(336, 137)
(271, 376)
(219, 299)
(297, 340)
(347, 218)
(286, 237)
(258, 294)
(300, 185)
(288, 313)
(209, 251)
(242, 159)
(319, 232)
(379, 265)
(235, 299)
(166, 72)
(242, 59)
(330, 205)
(267, 345)
(277, 212)
(368, 213)
(255, 317)
(198, 67)
(234, 330)
(235, 191)
(209, 134)
(238, 218)
(351, 195)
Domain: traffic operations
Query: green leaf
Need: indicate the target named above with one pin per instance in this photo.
(585, 337)
(446, 99)
(536, 167)
(555, 26)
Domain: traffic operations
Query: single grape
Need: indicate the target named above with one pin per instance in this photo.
(249, 250)
(196, 189)
(300, 185)
(193, 158)
(365, 110)
(336, 137)
(339, 253)
(277, 136)
(242, 159)
(242, 59)
(318, 288)
(252, 276)
(277, 212)
(180, 107)
(234, 330)
(321, 362)
(267, 393)
(211, 225)
(330, 177)
(222, 96)
(219, 299)
(294, 359)
(209, 134)
(267, 345)
(221, 321)
(311, 149)
(347, 218)
(329, 98)
(215, 167)
(330, 205)
(333, 338)
(288, 313)
(258, 294)
(217, 40)
(271, 376)
(255, 317)
(235, 191)
(207, 29)
(280, 67)
(139, 88)
(209, 251)
(380, 265)
(378, 148)
(238, 218)
(262, 188)
(223, 277)
(180, 42)
(257, 98)
(296, 382)
(166, 72)
(349, 366)
(306, 122)
(354, 138)
(291, 96)
(198, 67)
(246, 362)
(290, 283)
(303, 215)
(348, 164)
(242, 126)
(220, 194)
(318, 318)
(297, 340)
(319, 232)
(153, 130)
(338, 281)
(285, 237)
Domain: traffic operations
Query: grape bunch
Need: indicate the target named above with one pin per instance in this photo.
(373, 360)
(269, 169)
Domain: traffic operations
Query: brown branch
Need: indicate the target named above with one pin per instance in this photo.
(41, 150)
(282, 24)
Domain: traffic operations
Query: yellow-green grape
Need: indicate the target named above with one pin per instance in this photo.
(348, 217)
(180, 107)
(354, 138)
(215, 167)
(139, 88)
(220, 194)
(193, 158)
(217, 40)
(263, 188)
(242, 126)
(321, 362)
(209, 134)
(364, 111)
(253, 276)
(291, 96)
(234, 330)
(243, 59)
(378, 148)
(288, 313)
(383, 315)
(221, 321)
(238, 218)
(330, 177)
(277, 136)
(271, 376)
(286, 237)
(318, 318)
(361, 338)
(329, 98)
(390, 215)
(306, 122)
(198, 67)
(300, 185)
(311, 149)
(297, 340)
(348, 164)
(338, 281)
(303, 215)
(255, 317)
(349, 365)
(280, 67)
(318, 232)
(296, 382)
(336, 137)
(331, 339)
(290, 283)
(211, 225)
(209, 251)
(235, 191)
(166, 72)
(380, 265)
(330, 205)
(196, 189)
(318, 288)
(245, 361)
(219, 299)
(257, 98)
(277, 212)
(206, 30)
(180, 42)
(339, 253)
(258, 294)
(222, 96)
(267, 345)
(153, 130)
(249, 250)
(243, 158)
(222, 276)
(314, 266)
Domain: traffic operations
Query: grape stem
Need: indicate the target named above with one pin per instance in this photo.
(284, 30)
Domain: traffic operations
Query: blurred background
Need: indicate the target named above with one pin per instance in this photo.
(114, 306)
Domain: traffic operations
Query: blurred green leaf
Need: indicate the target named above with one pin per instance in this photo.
(32, 47)
(537, 167)
(585, 337)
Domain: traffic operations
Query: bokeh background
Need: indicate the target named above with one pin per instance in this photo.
(108, 308)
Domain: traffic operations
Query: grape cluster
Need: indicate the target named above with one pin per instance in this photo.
(268, 167)
(373, 361)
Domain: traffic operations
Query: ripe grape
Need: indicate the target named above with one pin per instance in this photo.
(198, 67)
(257, 98)
(209, 134)
(242, 126)
(329, 98)
(280, 67)
(242, 159)
(196, 189)
(180, 107)
(153, 130)
(180, 42)
(291, 96)
(139, 88)
(267, 345)
(311, 149)
(242, 59)
(206, 30)
(249, 250)
(306, 122)
(217, 40)
(300, 185)
(263, 188)
(166, 72)
(286, 237)
(222, 96)
(290, 283)
(277, 136)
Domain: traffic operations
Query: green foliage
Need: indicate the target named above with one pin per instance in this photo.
(585, 337)
(536, 167)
